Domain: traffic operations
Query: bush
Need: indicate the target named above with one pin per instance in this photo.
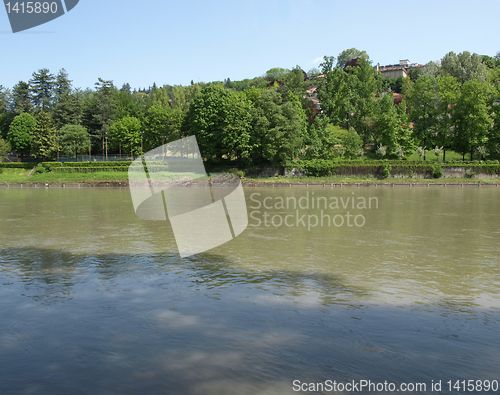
(386, 170)
(236, 172)
(18, 165)
(53, 164)
(436, 171)
(44, 167)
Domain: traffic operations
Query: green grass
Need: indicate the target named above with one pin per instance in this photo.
(17, 176)
(431, 157)
(20, 176)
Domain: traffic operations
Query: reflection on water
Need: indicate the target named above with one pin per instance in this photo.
(94, 300)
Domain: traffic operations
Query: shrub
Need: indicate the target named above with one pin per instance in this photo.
(18, 165)
(436, 171)
(236, 172)
(386, 170)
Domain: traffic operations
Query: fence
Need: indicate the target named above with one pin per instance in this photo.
(96, 158)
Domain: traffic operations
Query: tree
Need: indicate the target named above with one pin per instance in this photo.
(432, 68)
(126, 88)
(126, 133)
(295, 81)
(320, 142)
(276, 73)
(327, 141)
(220, 120)
(42, 86)
(351, 54)
(160, 98)
(472, 117)
(347, 95)
(20, 134)
(4, 99)
(392, 127)
(44, 143)
(62, 85)
(4, 147)
(5, 120)
(21, 98)
(68, 109)
(279, 128)
(237, 132)
(105, 107)
(464, 66)
(423, 101)
(161, 125)
(489, 61)
(448, 90)
(73, 140)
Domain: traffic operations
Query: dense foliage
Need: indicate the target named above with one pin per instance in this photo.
(345, 110)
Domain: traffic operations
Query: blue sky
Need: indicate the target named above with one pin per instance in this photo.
(174, 42)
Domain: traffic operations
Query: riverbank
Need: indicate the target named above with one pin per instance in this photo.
(117, 181)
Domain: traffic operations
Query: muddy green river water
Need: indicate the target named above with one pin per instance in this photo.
(326, 285)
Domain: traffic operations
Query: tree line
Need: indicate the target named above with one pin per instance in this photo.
(447, 105)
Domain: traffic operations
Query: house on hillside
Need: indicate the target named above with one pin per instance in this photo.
(398, 70)
(312, 93)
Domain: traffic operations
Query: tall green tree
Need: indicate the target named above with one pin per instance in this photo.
(21, 98)
(351, 54)
(4, 99)
(5, 120)
(73, 140)
(220, 120)
(42, 86)
(161, 125)
(68, 109)
(464, 66)
(126, 135)
(347, 95)
(62, 85)
(20, 134)
(424, 111)
(391, 127)
(472, 116)
(296, 82)
(448, 90)
(44, 144)
(104, 108)
(279, 128)
(160, 98)
(237, 131)
(4, 147)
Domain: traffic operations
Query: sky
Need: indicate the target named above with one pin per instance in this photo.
(174, 42)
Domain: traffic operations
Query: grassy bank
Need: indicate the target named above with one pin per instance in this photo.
(21, 176)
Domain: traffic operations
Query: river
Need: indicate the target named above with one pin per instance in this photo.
(325, 285)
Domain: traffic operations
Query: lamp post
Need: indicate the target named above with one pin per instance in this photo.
(90, 148)
(106, 146)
